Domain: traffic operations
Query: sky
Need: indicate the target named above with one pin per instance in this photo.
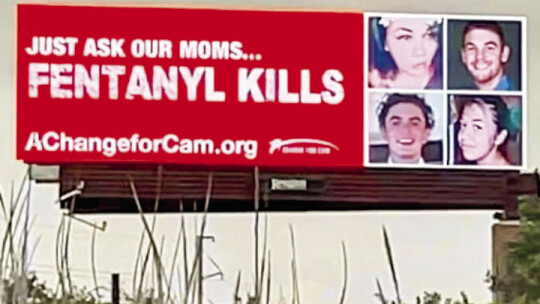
(447, 251)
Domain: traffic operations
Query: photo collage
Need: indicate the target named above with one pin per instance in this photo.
(445, 91)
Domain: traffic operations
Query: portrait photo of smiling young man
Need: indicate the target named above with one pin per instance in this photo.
(406, 129)
(484, 55)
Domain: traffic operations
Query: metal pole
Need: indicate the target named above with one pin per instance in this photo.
(115, 288)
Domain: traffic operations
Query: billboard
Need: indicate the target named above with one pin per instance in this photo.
(306, 89)
(189, 85)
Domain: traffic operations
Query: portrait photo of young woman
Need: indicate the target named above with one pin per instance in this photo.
(405, 53)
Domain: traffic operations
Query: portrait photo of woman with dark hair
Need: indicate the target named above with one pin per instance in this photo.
(486, 131)
(405, 53)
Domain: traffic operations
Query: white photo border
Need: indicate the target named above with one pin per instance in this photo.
(447, 155)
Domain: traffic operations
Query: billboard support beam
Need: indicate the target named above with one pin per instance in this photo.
(107, 189)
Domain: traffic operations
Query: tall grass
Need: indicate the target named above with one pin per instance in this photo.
(14, 253)
(190, 277)
(181, 281)
(188, 268)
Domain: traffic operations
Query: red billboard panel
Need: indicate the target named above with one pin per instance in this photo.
(189, 86)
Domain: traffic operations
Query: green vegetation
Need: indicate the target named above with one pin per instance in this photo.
(522, 282)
